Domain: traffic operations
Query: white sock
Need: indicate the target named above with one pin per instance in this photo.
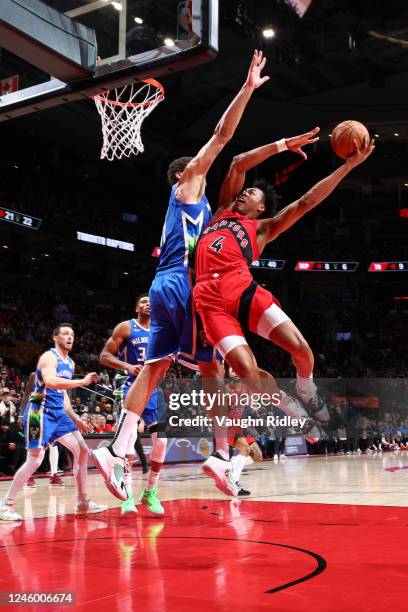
(53, 457)
(127, 427)
(238, 463)
(305, 388)
(28, 468)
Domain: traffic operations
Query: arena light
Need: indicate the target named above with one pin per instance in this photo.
(5, 246)
(268, 33)
(117, 5)
(396, 134)
(169, 42)
(139, 20)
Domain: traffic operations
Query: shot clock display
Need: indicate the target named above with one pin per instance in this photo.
(18, 218)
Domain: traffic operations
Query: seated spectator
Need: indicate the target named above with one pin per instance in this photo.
(110, 423)
(7, 408)
(12, 447)
(101, 424)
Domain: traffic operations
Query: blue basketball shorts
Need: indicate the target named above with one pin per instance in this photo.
(44, 426)
(173, 320)
(149, 414)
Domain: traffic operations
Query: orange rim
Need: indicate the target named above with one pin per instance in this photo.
(103, 96)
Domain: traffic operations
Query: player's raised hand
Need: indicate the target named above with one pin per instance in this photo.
(360, 155)
(296, 143)
(90, 378)
(254, 79)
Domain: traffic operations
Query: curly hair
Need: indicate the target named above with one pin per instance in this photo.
(177, 165)
(272, 199)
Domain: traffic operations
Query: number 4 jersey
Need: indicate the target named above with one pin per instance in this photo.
(229, 243)
(226, 296)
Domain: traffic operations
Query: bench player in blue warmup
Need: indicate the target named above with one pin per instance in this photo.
(49, 417)
(126, 350)
(172, 315)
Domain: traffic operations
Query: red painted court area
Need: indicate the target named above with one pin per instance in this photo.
(217, 555)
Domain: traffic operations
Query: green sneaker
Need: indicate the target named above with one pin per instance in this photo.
(128, 505)
(150, 500)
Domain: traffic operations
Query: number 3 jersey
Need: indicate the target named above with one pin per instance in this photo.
(133, 351)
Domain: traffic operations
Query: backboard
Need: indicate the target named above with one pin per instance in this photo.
(77, 48)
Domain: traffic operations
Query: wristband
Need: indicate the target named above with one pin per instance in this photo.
(281, 145)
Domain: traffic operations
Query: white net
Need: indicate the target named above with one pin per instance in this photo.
(123, 111)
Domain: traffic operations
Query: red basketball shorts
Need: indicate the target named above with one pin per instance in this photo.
(229, 303)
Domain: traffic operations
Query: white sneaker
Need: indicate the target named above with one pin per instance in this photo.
(7, 513)
(221, 472)
(282, 457)
(111, 468)
(85, 506)
(276, 457)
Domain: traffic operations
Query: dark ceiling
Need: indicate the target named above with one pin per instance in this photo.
(344, 59)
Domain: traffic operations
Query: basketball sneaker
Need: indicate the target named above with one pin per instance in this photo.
(7, 512)
(127, 475)
(30, 484)
(56, 481)
(242, 492)
(85, 506)
(128, 506)
(220, 470)
(151, 501)
(112, 468)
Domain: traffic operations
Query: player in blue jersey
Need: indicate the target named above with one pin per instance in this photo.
(126, 350)
(49, 417)
(172, 315)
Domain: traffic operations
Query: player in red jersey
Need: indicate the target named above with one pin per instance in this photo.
(227, 297)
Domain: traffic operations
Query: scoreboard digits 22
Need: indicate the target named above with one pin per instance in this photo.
(18, 218)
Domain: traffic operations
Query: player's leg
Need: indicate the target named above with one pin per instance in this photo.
(38, 427)
(218, 465)
(167, 315)
(159, 445)
(268, 320)
(75, 443)
(129, 504)
(287, 336)
(23, 474)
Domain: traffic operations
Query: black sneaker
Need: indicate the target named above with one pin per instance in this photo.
(242, 492)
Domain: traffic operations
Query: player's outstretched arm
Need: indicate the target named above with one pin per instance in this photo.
(108, 354)
(235, 179)
(47, 365)
(269, 229)
(190, 185)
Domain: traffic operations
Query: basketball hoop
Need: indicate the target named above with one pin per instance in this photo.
(123, 111)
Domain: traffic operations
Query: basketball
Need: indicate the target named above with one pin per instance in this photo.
(343, 136)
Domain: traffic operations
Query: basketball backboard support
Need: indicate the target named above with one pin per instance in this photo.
(135, 39)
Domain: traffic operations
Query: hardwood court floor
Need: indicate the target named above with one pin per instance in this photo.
(318, 532)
